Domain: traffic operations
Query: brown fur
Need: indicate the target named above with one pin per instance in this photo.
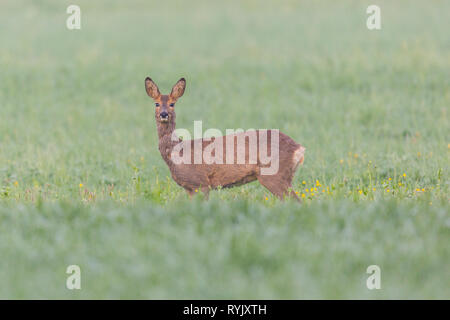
(193, 177)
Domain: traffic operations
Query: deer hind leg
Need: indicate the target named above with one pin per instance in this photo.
(278, 186)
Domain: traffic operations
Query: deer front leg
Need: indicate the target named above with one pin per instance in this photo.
(205, 191)
(190, 193)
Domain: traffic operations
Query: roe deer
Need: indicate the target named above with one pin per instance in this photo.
(193, 176)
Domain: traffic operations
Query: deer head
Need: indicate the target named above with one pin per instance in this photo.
(165, 104)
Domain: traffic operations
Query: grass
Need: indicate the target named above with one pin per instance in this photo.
(82, 181)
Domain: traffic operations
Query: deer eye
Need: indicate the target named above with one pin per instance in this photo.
(157, 104)
(172, 104)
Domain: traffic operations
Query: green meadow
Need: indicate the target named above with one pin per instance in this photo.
(82, 181)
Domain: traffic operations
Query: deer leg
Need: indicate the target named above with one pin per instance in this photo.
(190, 193)
(292, 194)
(277, 186)
(205, 191)
(274, 185)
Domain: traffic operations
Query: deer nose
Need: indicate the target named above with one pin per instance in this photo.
(164, 115)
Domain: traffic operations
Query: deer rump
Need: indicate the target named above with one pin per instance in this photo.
(225, 166)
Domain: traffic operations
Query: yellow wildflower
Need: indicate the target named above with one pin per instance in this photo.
(80, 185)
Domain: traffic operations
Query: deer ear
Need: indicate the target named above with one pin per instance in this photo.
(151, 88)
(178, 89)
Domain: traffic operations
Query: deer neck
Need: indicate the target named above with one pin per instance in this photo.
(165, 129)
(166, 144)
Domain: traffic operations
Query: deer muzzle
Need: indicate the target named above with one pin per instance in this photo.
(164, 116)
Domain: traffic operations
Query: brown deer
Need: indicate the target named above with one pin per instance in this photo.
(227, 171)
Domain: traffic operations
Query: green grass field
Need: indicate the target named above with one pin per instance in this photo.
(82, 181)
